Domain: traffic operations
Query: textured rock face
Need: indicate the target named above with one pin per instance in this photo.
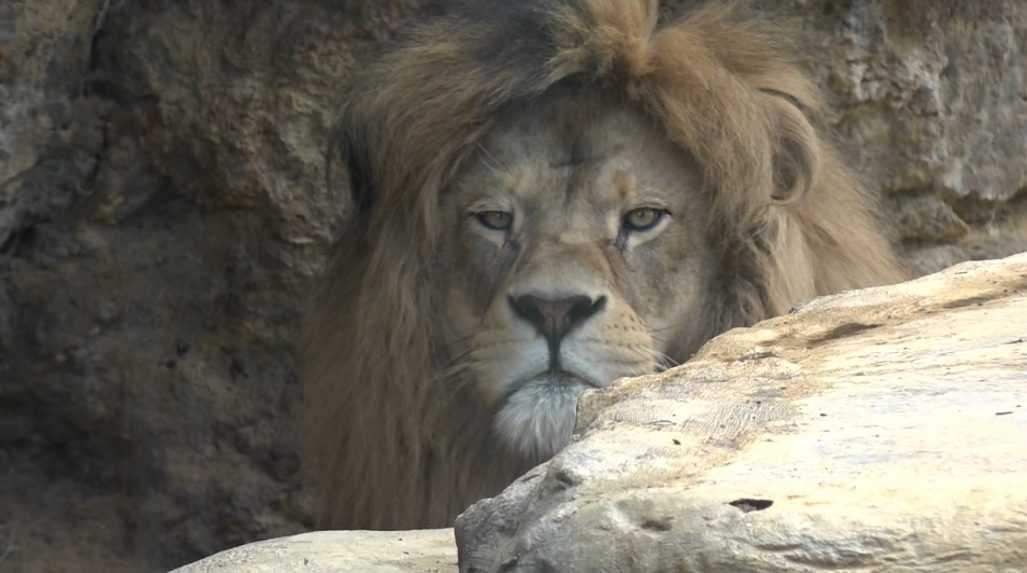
(931, 101)
(164, 205)
(424, 551)
(873, 430)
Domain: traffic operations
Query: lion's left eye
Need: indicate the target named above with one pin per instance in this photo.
(643, 219)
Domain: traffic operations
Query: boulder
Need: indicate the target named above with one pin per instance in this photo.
(875, 430)
(425, 551)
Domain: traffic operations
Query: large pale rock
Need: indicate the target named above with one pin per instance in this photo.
(425, 551)
(876, 430)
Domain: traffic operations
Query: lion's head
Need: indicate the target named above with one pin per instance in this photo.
(553, 195)
(575, 253)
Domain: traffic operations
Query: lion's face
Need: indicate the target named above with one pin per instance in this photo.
(576, 255)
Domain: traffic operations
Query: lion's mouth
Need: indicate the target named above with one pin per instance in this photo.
(554, 380)
(564, 377)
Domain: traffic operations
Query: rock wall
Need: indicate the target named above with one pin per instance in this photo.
(930, 101)
(164, 206)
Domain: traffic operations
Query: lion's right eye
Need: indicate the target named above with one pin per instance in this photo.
(495, 220)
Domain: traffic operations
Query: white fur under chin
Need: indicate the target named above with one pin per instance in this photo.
(537, 420)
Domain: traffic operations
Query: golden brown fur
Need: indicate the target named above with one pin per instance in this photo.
(389, 444)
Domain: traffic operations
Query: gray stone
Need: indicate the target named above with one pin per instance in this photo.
(918, 91)
(425, 551)
(879, 430)
(986, 242)
(163, 207)
(928, 218)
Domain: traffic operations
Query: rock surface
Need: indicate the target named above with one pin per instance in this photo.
(424, 551)
(876, 430)
(164, 206)
(930, 104)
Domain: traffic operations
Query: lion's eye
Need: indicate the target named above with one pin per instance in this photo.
(643, 219)
(495, 220)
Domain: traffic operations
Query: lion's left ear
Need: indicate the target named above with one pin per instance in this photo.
(347, 165)
(796, 147)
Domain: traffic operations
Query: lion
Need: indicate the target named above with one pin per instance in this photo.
(552, 195)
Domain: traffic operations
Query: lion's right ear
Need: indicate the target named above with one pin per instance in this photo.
(797, 149)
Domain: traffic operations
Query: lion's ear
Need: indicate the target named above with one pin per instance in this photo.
(361, 185)
(796, 153)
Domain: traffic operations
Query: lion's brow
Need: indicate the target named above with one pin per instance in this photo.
(575, 162)
(578, 158)
(578, 161)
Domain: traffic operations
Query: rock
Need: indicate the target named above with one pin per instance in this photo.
(928, 218)
(163, 207)
(921, 107)
(877, 430)
(49, 133)
(987, 242)
(913, 99)
(424, 551)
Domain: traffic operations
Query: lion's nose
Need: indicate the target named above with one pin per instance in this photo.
(555, 318)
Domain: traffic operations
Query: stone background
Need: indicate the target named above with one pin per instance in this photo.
(164, 205)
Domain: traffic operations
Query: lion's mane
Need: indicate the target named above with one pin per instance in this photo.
(389, 445)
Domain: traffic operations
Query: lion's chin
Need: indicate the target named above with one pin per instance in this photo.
(537, 418)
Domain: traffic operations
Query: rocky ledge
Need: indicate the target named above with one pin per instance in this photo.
(875, 430)
(424, 551)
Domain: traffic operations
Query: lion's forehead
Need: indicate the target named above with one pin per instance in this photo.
(576, 157)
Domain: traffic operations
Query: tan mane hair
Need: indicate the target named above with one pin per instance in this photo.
(388, 446)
